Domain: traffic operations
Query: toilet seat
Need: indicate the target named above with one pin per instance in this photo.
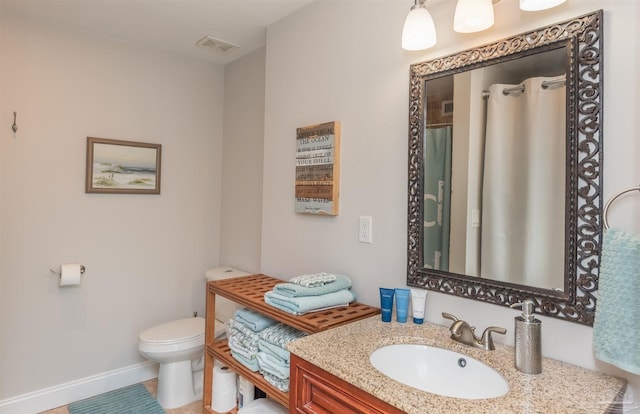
(182, 333)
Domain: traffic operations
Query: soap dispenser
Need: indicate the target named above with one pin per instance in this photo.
(528, 341)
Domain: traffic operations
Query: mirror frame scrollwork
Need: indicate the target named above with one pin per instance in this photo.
(583, 224)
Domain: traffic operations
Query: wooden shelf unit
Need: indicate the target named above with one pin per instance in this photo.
(249, 291)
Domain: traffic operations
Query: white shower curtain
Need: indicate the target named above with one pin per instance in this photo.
(523, 205)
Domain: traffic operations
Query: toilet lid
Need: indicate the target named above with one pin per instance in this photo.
(175, 331)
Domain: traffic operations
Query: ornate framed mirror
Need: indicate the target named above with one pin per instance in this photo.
(505, 158)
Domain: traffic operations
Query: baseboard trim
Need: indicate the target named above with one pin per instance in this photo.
(63, 394)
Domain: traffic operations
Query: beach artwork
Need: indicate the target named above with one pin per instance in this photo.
(122, 167)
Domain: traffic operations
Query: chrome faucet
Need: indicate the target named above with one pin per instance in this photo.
(464, 333)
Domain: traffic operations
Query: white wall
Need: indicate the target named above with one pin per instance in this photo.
(242, 163)
(342, 61)
(339, 61)
(145, 254)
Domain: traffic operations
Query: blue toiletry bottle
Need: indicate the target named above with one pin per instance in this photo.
(402, 304)
(386, 303)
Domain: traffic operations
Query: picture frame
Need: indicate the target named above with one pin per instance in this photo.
(122, 167)
(317, 186)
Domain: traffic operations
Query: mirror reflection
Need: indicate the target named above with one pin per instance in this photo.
(494, 171)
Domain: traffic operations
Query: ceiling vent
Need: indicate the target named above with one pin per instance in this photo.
(218, 45)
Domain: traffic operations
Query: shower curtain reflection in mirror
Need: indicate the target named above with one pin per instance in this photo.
(437, 197)
(523, 204)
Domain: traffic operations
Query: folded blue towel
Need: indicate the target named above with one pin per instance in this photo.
(282, 354)
(294, 290)
(251, 364)
(616, 337)
(269, 364)
(243, 334)
(237, 350)
(281, 334)
(281, 384)
(252, 319)
(306, 304)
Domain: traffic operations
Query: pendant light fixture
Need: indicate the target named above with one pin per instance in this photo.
(473, 16)
(536, 5)
(419, 32)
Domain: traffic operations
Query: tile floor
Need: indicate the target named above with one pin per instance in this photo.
(193, 408)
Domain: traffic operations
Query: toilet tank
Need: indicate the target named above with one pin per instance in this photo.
(224, 307)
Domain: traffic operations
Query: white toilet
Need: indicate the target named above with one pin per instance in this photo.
(179, 348)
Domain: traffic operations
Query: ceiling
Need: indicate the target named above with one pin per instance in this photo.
(173, 25)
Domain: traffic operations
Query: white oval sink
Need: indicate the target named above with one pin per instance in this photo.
(439, 371)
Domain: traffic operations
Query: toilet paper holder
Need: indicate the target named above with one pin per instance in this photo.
(59, 272)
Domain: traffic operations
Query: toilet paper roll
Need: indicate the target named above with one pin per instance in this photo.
(224, 390)
(224, 379)
(70, 274)
(223, 402)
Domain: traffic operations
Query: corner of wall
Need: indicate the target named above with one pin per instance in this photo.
(242, 165)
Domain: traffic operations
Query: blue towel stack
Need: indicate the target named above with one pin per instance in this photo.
(273, 357)
(244, 331)
(308, 294)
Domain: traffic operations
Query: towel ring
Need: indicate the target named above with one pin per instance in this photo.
(611, 200)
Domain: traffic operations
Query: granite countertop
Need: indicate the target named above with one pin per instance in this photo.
(561, 387)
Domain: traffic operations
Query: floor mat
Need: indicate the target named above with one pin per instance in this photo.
(134, 399)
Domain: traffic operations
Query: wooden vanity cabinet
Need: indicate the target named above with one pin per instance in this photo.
(315, 391)
(248, 291)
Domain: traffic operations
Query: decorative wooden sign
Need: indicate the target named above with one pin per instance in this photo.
(318, 169)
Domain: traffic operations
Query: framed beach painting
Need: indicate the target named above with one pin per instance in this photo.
(124, 167)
